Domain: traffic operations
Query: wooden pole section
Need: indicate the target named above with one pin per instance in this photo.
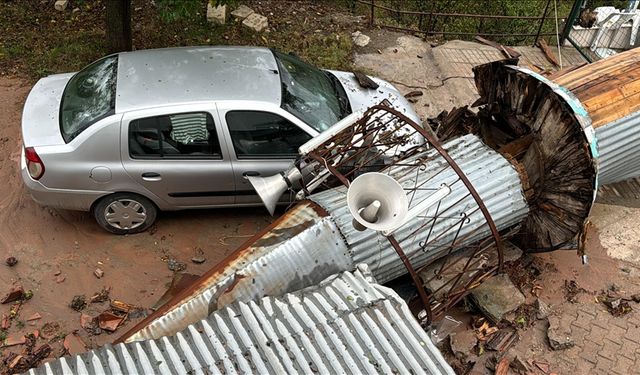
(118, 25)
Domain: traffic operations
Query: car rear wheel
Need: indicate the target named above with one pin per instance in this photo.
(125, 213)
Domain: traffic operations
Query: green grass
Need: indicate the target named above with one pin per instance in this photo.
(38, 41)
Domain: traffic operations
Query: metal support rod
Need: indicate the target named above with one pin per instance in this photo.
(414, 276)
(575, 11)
(544, 16)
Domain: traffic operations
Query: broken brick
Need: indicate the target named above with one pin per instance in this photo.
(17, 293)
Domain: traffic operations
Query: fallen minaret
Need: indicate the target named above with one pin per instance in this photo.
(523, 168)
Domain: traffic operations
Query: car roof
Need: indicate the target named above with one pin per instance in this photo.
(169, 76)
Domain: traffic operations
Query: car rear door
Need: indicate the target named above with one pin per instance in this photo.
(180, 155)
(263, 141)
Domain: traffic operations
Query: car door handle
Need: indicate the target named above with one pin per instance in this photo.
(151, 176)
(251, 173)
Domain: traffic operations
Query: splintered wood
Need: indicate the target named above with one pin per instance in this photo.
(609, 89)
(522, 118)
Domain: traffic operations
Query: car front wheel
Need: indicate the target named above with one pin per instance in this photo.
(125, 213)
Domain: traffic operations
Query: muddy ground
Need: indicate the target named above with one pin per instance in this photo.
(47, 242)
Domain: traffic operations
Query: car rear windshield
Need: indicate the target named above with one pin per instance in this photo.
(88, 97)
(310, 93)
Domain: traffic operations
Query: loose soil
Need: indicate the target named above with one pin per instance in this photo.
(58, 251)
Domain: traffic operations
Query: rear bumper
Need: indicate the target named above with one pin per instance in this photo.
(80, 200)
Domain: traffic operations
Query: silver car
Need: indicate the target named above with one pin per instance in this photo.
(178, 128)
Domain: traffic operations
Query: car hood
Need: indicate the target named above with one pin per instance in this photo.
(362, 98)
(40, 116)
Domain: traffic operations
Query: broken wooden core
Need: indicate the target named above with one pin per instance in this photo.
(531, 125)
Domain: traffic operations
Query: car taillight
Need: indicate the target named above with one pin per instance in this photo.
(35, 166)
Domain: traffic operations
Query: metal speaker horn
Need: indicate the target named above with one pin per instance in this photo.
(271, 188)
(377, 202)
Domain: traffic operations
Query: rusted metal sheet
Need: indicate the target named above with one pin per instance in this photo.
(345, 324)
(300, 249)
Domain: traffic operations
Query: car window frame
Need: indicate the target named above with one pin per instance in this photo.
(261, 157)
(215, 119)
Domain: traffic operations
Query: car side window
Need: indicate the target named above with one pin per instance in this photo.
(257, 134)
(183, 135)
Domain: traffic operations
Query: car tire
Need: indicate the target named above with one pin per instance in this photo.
(125, 213)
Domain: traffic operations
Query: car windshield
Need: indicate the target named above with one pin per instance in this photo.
(310, 93)
(88, 97)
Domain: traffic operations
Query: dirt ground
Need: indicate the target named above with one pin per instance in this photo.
(47, 241)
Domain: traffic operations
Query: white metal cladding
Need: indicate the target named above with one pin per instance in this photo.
(300, 252)
(345, 325)
(494, 178)
(619, 147)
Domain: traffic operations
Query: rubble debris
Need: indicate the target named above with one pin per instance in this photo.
(242, 12)
(256, 22)
(109, 321)
(11, 261)
(216, 14)
(559, 334)
(360, 39)
(90, 324)
(365, 82)
(496, 297)
(121, 306)
(98, 272)
(508, 52)
(61, 5)
(615, 304)
(73, 344)
(19, 363)
(175, 266)
(519, 366)
(79, 302)
(462, 344)
(5, 323)
(60, 278)
(502, 368)
(13, 340)
(100, 296)
(571, 291)
(198, 258)
(17, 293)
(548, 53)
(542, 309)
(414, 93)
(543, 366)
(34, 316)
(635, 298)
(483, 329)
(502, 340)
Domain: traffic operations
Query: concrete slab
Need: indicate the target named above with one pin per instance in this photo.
(497, 296)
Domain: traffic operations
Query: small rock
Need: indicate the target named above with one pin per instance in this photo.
(256, 22)
(98, 273)
(11, 261)
(217, 14)
(60, 279)
(559, 336)
(497, 296)
(61, 5)
(198, 259)
(16, 293)
(57, 273)
(79, 302)
(542, 309)
(636, 298)
(242, 12)
(75, 10)
(360, 39)
(462, 344)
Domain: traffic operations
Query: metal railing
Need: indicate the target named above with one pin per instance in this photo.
(432, 21)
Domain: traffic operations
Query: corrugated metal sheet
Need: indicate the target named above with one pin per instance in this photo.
(619, 147)
(301, 250)
(346, 324)
(495, 179)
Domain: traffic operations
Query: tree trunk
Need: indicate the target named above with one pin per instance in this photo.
(118, 25)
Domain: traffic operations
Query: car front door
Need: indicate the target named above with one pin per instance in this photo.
(180, 156)
(262, 143)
